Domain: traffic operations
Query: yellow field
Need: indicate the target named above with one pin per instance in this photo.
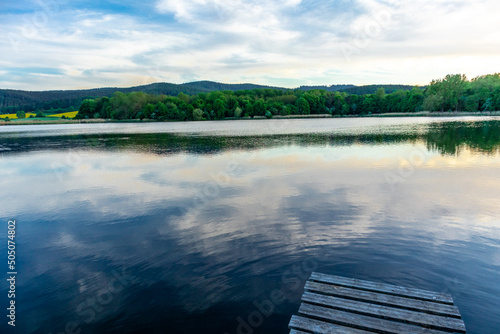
(70, 114)
(13, 116)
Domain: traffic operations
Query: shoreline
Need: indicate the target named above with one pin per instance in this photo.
(416, 114)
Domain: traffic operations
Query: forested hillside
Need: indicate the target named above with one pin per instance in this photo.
(61, 101)
(217, 100)
(12, 101)
(453, 93)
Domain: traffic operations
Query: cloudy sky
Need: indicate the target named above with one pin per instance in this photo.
(69, 44)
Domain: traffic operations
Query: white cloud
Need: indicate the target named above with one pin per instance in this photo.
(88, 48)
(197, 10)
(286, 42)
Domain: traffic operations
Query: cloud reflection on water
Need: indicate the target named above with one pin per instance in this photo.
(121, 208)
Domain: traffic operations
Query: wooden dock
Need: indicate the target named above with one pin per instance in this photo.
(339, 305)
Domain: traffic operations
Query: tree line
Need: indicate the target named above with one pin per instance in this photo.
(452, 93)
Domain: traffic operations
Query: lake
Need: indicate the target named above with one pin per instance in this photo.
(194, 227)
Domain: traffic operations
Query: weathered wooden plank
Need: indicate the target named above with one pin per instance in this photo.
(384, 299)
(382, 287)
(293, 331)
(380, 311)
(363, 322)
(320, 327)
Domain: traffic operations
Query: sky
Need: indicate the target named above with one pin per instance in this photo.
(76, 44)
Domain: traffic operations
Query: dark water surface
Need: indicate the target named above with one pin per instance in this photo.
(194, 227)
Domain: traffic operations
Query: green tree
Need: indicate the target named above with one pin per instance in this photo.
(237, 112)
(232, 104)
(248, 108)
(303, 106)
(198, 115)
(220, 108)
(434, 103)
(448, 91)
(101, 106)
(259, 108)
(149, 109)
(183, 97)
(87, 108)
(482, 88)
(315, 103)
(336, 102)
(120, 106)
(206, 115)
(198, 103)
(454, 88)
(369, 105)
(380, 100)
(488, 105)
(471, 103)
(172, 111)
(380, 93)
(345, 109)
(285, 110)
(292, 110)
(187, 109)
(161, 111)
(21, 114)
(136, 103)
(414, 100)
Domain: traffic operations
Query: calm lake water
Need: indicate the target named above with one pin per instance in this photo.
(190, 227)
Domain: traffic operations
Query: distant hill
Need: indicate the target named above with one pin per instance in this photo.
(371, 89)
(359, 90)
(332, 88)
(210, 86)
(57, 101)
